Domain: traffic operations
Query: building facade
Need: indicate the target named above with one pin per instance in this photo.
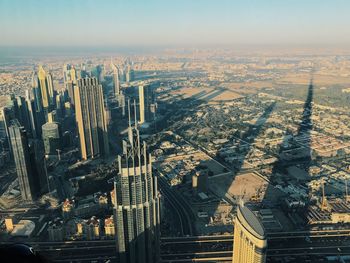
(21, 154)
(51, 137)
(116, 80)
(136, 204)
(249, 245)
(91, 118)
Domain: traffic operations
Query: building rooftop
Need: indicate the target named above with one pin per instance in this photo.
(250, 221)
(23, 228)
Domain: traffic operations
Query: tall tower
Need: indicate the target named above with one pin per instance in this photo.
(142, 104)
(116, 81)
(20, 148)
(90, 116)
(136, 204)
(44, 88)
(129, 74)
(70, 80)
(7, 115)
(146, 99)
(50, 89)
(249, 245)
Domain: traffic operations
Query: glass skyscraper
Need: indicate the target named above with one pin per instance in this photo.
(136, 204)
(91, 118)
(20, 149)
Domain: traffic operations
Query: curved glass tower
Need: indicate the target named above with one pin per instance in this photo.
(249, 244)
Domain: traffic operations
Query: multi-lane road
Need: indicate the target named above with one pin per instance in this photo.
(180, 206)
(298, 245)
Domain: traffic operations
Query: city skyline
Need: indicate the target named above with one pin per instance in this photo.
(175, 131)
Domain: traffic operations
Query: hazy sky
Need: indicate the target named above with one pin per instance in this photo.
(173, 22)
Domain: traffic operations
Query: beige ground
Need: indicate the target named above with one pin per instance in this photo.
(3, 100)
(205, 93)
(318, 79)
(245, 185)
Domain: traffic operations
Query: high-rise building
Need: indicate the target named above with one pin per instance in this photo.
(249, 245)
(146, 99)
(136, 204)
(116, 81)
(91, 118)
(129, 74)
(7, 116)
(142, 104)
(51, 138)
(36, 93)
(70, 79)
(52, 94)
(46, 88)
(20, 148)
(31, 111)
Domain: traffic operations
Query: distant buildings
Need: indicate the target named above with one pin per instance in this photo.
(21, 154)
(136, 204)
(91, 118)
(249, 245)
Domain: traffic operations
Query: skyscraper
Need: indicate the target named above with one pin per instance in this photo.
(116, 81)
(129, 74)
(7, 116)
(31, 111)
(23, 114)
(70, 79)
(46, 88)
(51, 138)
(20, 148)
(136, 204)
(50, 89)
(249, 245)
(142, 104)
(146, 99)
(91, 118)
(36, 93)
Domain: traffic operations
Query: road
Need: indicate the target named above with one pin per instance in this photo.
(300, 245)
(184, 212)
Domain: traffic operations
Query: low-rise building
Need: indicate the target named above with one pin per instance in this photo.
(56, 230)
(109, 227)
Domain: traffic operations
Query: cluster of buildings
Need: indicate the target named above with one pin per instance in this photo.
(48, 123)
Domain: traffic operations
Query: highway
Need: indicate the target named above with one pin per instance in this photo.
(204, 248)
(186, 217)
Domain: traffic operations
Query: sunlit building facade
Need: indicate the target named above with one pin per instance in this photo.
(136, 204)
(91, 118)
(249, 245)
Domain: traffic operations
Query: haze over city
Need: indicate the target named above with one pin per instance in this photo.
(174, 131)
(174, 23)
